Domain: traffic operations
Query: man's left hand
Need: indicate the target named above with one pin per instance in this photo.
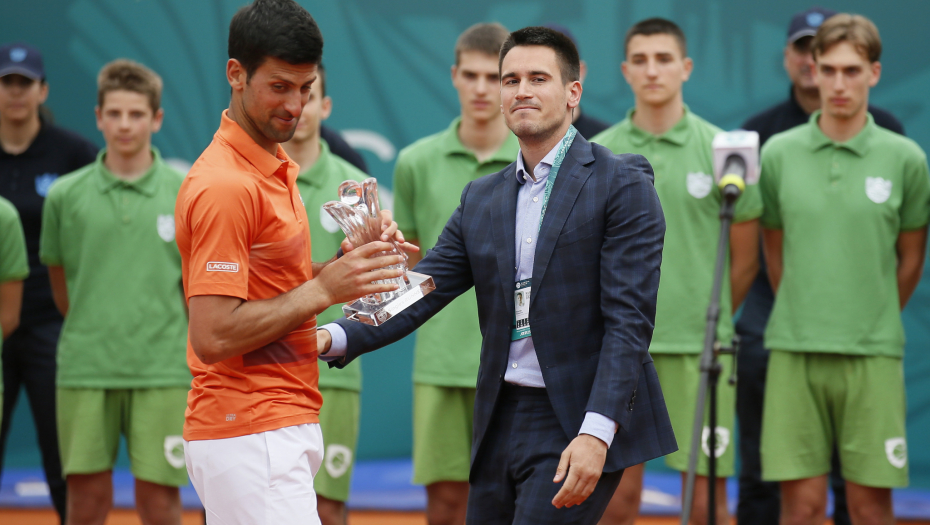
(389, 230)
(583, 461)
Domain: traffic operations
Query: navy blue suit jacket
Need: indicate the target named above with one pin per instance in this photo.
(592, 311)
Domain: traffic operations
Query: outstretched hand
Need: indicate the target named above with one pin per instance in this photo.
(583, 461)
(389, 231)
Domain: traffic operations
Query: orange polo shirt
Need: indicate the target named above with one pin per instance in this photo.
(242, 232)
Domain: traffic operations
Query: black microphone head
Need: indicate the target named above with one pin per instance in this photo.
(735, 165)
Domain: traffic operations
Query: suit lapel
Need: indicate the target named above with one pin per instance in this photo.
(568, 184)
(503, 230)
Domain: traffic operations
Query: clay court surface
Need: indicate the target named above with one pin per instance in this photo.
(128, 517)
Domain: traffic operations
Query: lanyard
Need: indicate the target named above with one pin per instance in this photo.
(554, 172)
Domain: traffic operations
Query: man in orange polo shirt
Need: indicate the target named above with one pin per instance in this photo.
(252, 437)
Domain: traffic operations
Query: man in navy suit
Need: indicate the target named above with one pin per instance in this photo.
(567, 395)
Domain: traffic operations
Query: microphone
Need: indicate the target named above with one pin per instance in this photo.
(736, 161)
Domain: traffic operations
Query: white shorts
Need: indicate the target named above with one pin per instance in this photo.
(259, 479)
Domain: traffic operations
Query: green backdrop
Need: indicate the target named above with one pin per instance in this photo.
(388, 73)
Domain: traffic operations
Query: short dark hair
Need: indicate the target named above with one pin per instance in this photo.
(565, 51)
(485, 38)
(274, 28)
(656, 26)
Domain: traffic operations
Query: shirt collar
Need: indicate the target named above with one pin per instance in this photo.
(453, 145)
(316, 174)
(147, 184)
(860, 144)
(548, 160)
(678, 135)
(267, 164)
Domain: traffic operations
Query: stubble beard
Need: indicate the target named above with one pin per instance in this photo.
(535, 131)
(277, 135)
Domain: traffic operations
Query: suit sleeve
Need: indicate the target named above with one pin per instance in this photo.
(450, 268)
(630, 258)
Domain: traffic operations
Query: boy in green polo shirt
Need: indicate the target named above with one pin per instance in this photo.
(14, 268)
(845, 227)
(108, 240)
(428, 181)
(321, 173)
(678, 145)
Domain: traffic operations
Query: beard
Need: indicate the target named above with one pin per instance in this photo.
(264, 122)
(529, 130)
(277, 134)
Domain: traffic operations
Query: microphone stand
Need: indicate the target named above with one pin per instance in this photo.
(732, 186)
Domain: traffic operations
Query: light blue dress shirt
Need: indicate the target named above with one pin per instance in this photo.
(523, 366)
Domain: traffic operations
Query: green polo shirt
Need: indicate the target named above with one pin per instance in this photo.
(13, 263)
(319, 185)
(841, 208)
(126, 325)
(428, 181)
(682, 159)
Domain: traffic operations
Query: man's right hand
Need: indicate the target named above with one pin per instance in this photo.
(352, 275)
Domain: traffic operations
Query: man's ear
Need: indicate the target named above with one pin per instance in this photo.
(99, 115)
(236, 75)
(876, 73)
(688, 67)
(574, 94)
(157, 119)
(326, 107)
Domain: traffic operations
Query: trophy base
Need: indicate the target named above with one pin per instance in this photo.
(378, 314)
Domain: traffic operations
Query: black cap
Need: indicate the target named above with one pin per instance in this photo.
(21, 59)
(807, 22)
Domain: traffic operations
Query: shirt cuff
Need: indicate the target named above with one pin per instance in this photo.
(337, 348)
(597, 425)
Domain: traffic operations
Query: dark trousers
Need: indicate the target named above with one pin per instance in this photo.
(29, 362)
(511, 480)
(760, 501)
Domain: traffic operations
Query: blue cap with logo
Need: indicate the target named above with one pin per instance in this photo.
(21, 59)
(807, 22)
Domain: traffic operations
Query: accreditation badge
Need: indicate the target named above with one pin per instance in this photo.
(520, 328)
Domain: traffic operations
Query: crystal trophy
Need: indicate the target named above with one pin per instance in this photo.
(359, 215)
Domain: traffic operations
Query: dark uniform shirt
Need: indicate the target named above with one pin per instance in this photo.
(24, 181)
(589, 126)
(778, 118)
(341, 148)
